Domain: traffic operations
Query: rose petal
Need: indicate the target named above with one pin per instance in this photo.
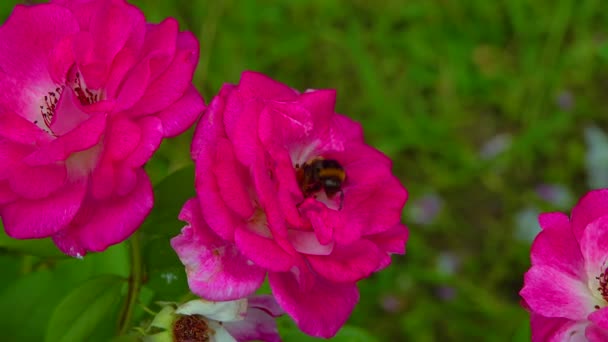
(319, 312)
(30, 28)
(348, 264)
(594, 247)
(83, 137)
(593, 333)
(123, 214)
(216, 270)
(38, 181)
(123, 137)
(555, 246)
(152, 135)
(257, 85)
(549, 329)
(228, 311)
(553, 293)
(259, 323)
(600, 317)
(593, 205)
(263, 251)
(175, 80)
(232, 180)
(177, 117)
(22, 131)
(30, 219)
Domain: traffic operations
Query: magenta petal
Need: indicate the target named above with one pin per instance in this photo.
(123, 214)
(263, 251)
(241, 121)
(6, 194)
(256, 85)
(594, 246)
(283, 124)
(30, 28)
(131, 89)
(83, 137)
(593, 333)
(553, 293)
(600, 317)
(22, 131)
(218, 216)
(160, 44)
(115, 21)
(321, 310)
(11, 156)
(123, 137)
(37, 181)
(26, 219)
(175, 80)
(182, 113)
(151, 137)
(393, 240)
(321, 105)
(69, 114)
(550, 329)
(103, 180)
(556, 247)
(259, 323)
(216, 270)
(348, 264)
(593, 205)
(232, 180)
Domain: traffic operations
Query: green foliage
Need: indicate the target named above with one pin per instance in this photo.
(432, 82)
(83, 310)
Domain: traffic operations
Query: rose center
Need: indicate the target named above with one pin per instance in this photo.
(52, 102)
(603, 284)
(191, 328)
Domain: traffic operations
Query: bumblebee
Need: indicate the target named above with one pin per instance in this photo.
(321, 174)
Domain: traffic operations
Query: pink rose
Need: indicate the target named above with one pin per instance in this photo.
(287, 187)
(566, 289)
(87, 92)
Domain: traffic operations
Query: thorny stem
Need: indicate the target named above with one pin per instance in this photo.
(135, 280)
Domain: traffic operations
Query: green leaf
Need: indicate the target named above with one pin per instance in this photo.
(81, 312)
(26, 304)
(348, 333)
(169, 197)
(165, 272)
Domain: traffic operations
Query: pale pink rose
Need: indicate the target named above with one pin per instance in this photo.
(566, 289)
(246, 319)
(252, 217)
(87, 92)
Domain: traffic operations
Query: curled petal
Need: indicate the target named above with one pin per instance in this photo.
(259, 323)
(225, 311)
(216, 270)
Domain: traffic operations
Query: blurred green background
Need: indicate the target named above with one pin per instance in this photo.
(492, 112)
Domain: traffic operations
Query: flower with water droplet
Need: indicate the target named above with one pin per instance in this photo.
(88, 90)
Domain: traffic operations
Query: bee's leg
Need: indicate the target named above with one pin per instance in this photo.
(341, 199)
